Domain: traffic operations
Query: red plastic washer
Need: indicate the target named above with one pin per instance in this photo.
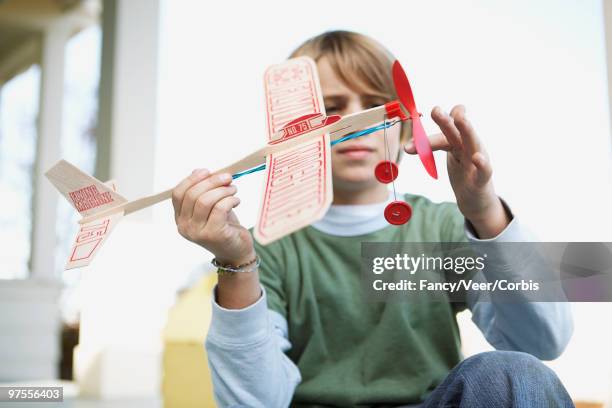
(386, 171)
(398, 212)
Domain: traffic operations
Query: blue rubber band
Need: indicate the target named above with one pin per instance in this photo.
(333, 143)
(249, 171)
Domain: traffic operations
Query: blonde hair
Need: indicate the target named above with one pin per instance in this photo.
(361, 63)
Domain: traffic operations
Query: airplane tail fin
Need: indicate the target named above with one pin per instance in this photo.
(90, 238)
(85, 193)
(88, 196)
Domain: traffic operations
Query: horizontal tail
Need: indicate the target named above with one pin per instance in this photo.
(85, 193)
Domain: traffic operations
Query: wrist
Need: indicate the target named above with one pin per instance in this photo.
(492, 221)
(238, 290)
(237, 260)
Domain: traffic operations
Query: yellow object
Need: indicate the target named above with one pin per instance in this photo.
(186, 378)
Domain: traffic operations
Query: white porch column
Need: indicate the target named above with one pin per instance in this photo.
(48, 147)
(128, 97)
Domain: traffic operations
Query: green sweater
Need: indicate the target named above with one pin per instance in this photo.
(351, 352)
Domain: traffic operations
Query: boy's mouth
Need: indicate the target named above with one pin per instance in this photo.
(355, 151)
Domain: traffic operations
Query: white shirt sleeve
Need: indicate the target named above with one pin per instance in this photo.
(246, 355)
(542, 329)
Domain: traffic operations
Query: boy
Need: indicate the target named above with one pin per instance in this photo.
(296, 330)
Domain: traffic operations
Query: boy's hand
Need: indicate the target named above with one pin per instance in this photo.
(469, 171)
(203, 213)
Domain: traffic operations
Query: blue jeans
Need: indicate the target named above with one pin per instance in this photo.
(500, 379)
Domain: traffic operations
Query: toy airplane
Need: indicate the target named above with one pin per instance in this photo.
(298, 185)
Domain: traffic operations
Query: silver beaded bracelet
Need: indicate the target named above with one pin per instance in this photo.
(246, 267)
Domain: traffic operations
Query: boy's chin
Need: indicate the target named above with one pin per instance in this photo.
(354, 180)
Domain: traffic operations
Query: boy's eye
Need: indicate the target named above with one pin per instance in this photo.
(372, 103)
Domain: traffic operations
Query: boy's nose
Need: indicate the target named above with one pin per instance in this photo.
(353, 107)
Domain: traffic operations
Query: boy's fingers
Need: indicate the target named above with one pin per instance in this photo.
(469, 139)
(447, 127)
(218, 214)
(206, 201)
(194, 192)
(437, 140)
(485, 171)
(181, 188)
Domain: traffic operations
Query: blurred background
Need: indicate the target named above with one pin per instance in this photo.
(144, 91)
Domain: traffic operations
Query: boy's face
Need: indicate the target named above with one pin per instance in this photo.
(353, 161)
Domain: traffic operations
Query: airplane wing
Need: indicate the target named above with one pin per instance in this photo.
(298, 186)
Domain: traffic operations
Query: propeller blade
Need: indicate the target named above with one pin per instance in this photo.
(403, 89)
(421, 141)
(423, 147)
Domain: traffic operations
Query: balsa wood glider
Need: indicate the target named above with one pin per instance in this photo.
(298, 185)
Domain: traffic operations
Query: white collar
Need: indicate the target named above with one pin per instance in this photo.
(354, 219)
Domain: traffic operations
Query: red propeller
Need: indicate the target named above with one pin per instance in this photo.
(421, 142)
